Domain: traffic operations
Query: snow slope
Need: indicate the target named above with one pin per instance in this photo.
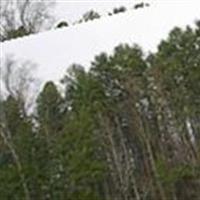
(53, 51)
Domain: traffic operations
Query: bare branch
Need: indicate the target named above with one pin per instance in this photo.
(17, 80)
(33, 16)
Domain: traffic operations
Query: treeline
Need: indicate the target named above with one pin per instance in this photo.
(129, 129)
(93, 15)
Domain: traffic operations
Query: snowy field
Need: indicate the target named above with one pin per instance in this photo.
(55, 50)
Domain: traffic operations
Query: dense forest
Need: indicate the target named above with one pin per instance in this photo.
(127, 129)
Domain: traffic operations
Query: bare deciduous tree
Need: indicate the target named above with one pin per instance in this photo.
(22, 17)
(17, 81)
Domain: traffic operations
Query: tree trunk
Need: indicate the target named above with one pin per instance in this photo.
(18, 163)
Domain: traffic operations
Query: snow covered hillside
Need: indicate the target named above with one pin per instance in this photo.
(53, 51)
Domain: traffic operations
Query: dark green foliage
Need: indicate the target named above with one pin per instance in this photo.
(11, 112)
(16, 145)
(12, 34)
(49, 108)
(141, 5)
(127, 129)
(62, 24)
(91, 15)
(80, 145)
(119, 10)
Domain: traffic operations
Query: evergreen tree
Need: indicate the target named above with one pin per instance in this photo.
(80, 145)
(62, 24)
(126, 129)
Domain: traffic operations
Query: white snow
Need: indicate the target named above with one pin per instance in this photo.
(53, 51)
